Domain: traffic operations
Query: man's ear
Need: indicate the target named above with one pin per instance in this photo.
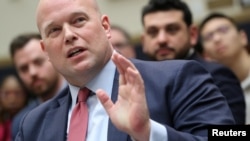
(106, 25)
(42, 45)
(142, 38)
(193, 31)
(43, 48)
(243, 38)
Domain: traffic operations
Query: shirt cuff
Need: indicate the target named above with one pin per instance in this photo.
(157, 132)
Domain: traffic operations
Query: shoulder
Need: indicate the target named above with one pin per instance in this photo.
(215, 69)
(220, 71)
(171, 72)
(174, 64)
(39, 111)
(31, 105)
(168, 66)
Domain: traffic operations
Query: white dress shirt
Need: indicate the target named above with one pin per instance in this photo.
(245, 84)
(98, 118)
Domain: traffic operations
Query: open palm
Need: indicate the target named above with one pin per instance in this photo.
(129, 113)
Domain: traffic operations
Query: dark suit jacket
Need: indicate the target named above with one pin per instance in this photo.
(181, 96)
(229, 86)
(34, 102)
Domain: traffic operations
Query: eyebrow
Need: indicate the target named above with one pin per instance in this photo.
(48, 24)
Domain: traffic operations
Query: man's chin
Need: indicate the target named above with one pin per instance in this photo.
(38, 91)
(164, 57)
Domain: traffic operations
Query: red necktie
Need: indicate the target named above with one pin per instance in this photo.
(79, 118)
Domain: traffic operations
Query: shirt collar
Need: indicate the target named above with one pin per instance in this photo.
(190, 52)
(104, 80)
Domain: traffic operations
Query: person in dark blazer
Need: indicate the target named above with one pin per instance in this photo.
(130, 99)
(35, 71)
(170, 34)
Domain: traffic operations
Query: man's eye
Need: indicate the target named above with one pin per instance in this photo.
(23, 69)
(152, 32)
(53, 30)
(208, 37)
(78, 20)
(223, 29)
(39, 61)
(172, 29)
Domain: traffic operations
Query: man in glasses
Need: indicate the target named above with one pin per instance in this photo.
(224, 42)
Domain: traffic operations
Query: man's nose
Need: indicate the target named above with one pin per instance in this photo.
(217, 37)
(162, 37)
(69, 34)
(33, 70)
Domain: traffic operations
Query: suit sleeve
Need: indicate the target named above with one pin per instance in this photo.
(230, 87)
(195, 102)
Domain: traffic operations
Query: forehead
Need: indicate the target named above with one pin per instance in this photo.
(31, 50)
(215, 23)
(166, 17)
(50, 10)
(33, 45)
(10, 82)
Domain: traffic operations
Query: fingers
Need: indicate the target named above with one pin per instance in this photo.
(135, 79)
(105, 100)
(122, 80)
(122, 63)
(128, 72)
(116, 61)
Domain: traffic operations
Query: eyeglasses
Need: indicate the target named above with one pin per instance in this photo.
(220, 30)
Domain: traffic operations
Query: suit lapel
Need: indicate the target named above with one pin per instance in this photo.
(113, 133)
(55, 121)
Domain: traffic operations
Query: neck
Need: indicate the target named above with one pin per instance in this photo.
(240, 65)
